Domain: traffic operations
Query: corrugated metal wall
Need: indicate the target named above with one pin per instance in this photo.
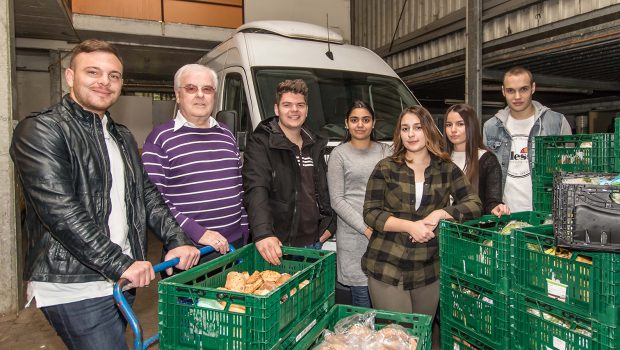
(374, 23)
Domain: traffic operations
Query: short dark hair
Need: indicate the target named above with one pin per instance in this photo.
(517, 71)
(296, 86)
(94, 45)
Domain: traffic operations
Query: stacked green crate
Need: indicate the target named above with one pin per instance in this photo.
(453, 337)
(477, 310)
(539, 325)
(617, 145)
(475, 279)
(478, 249)
(563, 299)
(568, 153)
(585, 282)
(188, 320)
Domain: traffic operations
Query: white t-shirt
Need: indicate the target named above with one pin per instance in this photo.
(518, 189)
(459, 158)
(419, 191)
(48, 293)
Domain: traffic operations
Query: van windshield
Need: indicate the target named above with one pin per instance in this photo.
(331, 93)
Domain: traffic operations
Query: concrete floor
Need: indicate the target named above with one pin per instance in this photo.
(30, 329)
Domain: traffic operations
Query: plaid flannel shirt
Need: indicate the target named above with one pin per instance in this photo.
(391, 256)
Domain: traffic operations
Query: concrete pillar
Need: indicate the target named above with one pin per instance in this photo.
(59, 61)
(55, 77)
(473, 55)
(9, 253)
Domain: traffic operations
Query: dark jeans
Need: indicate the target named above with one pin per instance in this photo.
(360, 296)
(315, 245)
(92, 324)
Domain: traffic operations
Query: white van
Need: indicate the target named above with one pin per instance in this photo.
(261, 54)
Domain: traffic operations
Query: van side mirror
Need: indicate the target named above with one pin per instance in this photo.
(229, 118)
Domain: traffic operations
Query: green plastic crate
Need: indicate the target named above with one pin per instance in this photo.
(568, 153)
(617, 146)
(476, 249)
(454, 337)
(417, 325)
(303, 327)
(590, 290)
(537, 327)
(476, 309)
(267, 319)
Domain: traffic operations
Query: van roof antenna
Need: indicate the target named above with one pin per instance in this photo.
(329, 52)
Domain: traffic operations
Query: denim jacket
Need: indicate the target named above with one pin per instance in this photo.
(499, 140)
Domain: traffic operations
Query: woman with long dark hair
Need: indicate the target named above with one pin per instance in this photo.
(463, 142)
(349, 168)
(407, 194)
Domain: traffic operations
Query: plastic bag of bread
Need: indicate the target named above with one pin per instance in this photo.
(374, 342)
(395, 337)
(332, 341)
(366, 319)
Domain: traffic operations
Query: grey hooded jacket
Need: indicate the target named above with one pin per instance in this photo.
(498, 139)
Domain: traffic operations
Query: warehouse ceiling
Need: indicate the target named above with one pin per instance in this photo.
(574, 62)
(149, 60)
(575, 66)
(573, 81)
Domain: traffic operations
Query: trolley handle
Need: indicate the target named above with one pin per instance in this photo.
(139, 343)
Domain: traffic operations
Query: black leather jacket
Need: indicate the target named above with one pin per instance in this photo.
(272, 181)
(489, 182)
(63, 165)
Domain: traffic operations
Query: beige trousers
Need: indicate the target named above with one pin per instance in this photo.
(423, 300)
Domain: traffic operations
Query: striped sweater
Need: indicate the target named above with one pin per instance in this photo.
(198, 172)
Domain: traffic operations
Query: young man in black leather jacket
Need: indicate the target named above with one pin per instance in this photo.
(88, 205)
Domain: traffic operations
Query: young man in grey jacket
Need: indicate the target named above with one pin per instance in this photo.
(510, 135)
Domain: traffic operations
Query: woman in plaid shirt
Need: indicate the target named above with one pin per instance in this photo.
(407, 194)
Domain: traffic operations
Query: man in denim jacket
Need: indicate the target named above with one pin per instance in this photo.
(510, 134)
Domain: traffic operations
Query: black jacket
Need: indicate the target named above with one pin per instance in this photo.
(489, 182)
(272, 182)
(63, 165)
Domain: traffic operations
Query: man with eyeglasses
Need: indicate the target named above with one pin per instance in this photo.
(88, 205)
(194, 162)
(510, 135)
(285, 178)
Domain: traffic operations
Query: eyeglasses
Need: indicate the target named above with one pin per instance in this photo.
(192, 89)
